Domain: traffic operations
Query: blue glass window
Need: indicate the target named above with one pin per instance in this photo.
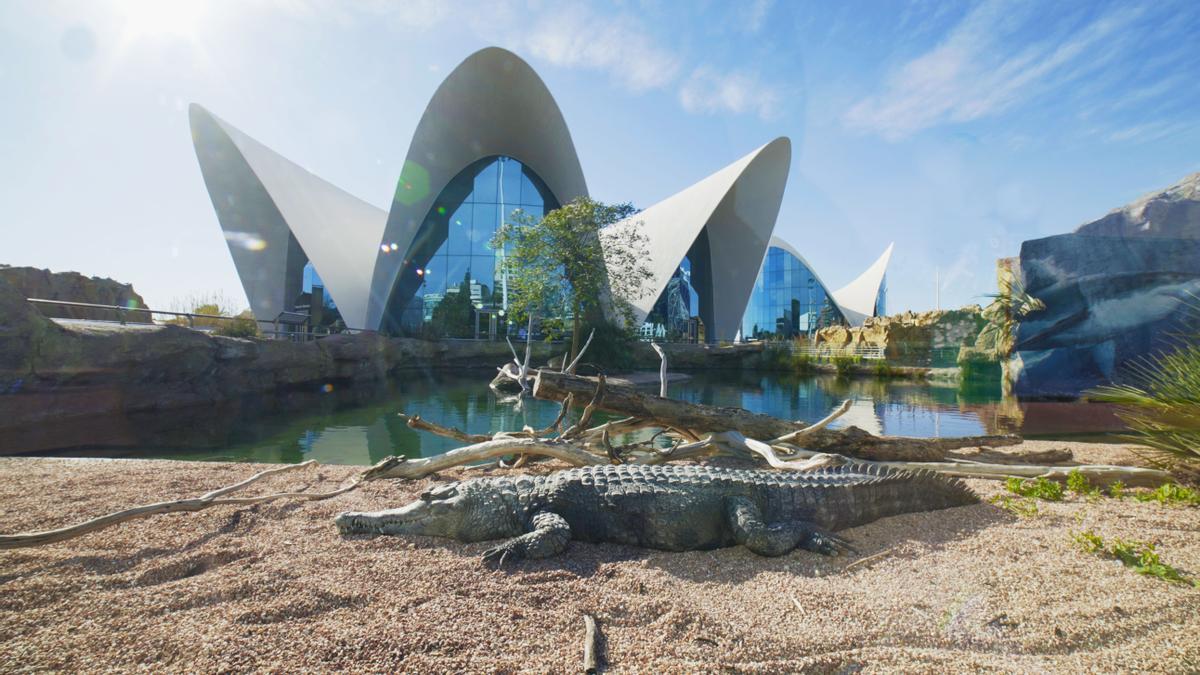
(454, 242)
(787, 300)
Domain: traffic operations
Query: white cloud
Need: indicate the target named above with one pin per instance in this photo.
(756, 15)
(973, 73)
(578, 38)
(709, 91)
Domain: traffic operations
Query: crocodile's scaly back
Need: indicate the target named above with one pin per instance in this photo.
(856, 494)
(669, 507)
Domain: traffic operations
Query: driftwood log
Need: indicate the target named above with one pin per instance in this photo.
(700, 418)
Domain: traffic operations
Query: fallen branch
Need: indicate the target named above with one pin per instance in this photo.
(662, 370)
(402, 467)
(575, 362)
(214, 498)
(1098, 474)
(591, 651)
(693, 419)
(415, 422)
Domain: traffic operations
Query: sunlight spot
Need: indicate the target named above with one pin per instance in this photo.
(246, 240)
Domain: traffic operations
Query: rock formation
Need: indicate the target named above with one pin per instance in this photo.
(32, 282)
(910, 338)
(1117, 290)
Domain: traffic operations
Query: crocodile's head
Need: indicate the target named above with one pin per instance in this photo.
(467, 511)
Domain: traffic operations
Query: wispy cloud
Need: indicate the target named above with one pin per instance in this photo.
(710, 91)
(756, 15)
(982, 68)
(621, 46)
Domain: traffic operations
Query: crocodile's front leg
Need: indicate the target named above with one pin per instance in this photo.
(547, 537)
(775, 539)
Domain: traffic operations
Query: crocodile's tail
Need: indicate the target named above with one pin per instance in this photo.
(884, 492)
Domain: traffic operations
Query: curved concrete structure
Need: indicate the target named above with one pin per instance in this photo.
(858, 299)
(277, 216)
(492, 109)
(492, 104)
(730, 216)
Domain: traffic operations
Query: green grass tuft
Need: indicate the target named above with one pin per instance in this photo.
(1039, 488)
(1141, 557)
(1170, 494)
(1025, 508)
(1116, 490)
(1079, 484)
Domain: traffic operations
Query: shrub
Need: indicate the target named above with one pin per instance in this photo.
(845, 364)
(241, 326)
(801, 363)
(1162, 407)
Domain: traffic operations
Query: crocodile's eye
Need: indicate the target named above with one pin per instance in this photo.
(440, 492)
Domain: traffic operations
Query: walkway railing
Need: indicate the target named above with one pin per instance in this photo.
(296, 331)
(826, 351)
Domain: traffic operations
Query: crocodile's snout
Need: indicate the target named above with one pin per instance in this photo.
(352, 523)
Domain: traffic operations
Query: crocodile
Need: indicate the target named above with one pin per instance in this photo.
(666, 507)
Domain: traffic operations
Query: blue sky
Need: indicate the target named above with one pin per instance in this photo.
(956, 130)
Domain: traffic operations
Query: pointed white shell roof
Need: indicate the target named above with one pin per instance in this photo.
(492, 104)
(857, 298)
(339, 232)
(738, 206)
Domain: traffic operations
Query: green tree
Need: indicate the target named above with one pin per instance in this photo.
(452, 316)
(575, 263)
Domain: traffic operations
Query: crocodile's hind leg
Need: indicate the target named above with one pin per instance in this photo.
(547, 537)
(774, 539)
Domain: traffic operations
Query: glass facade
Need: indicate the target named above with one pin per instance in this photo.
(787, 300)
(881, 299)
(450, 270)
(684, 307)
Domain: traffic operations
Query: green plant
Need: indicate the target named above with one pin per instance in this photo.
(1039, 488)
(1162, 406)
(845, 364)
(1002, 315)
(1025, 508)
(801, 363)
(1116, 490)
(558, 266)
(1170, 493)
(1079, 484)
(1141, 557)
(883, 370)
(241, 326)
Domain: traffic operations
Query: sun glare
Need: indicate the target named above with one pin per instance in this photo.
(160, 18)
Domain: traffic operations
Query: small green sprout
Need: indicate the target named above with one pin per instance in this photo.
(1141, 557)
(1040, 488)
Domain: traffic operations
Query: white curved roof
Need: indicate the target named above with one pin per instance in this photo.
(337, 231)
(779, 243)
(857, 298)
(737, 206)
(492, 104)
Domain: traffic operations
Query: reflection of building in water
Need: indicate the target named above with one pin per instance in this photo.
(862, 414)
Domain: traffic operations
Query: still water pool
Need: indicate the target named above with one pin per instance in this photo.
(362, 428)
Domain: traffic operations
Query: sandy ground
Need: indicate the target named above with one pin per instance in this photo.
(273, 587)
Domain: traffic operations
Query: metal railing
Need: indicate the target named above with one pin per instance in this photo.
(827, 351)
(279, 330)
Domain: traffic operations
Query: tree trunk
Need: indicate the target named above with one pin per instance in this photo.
(576, 328)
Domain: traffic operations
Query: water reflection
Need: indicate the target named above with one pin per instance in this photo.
(364, 427)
